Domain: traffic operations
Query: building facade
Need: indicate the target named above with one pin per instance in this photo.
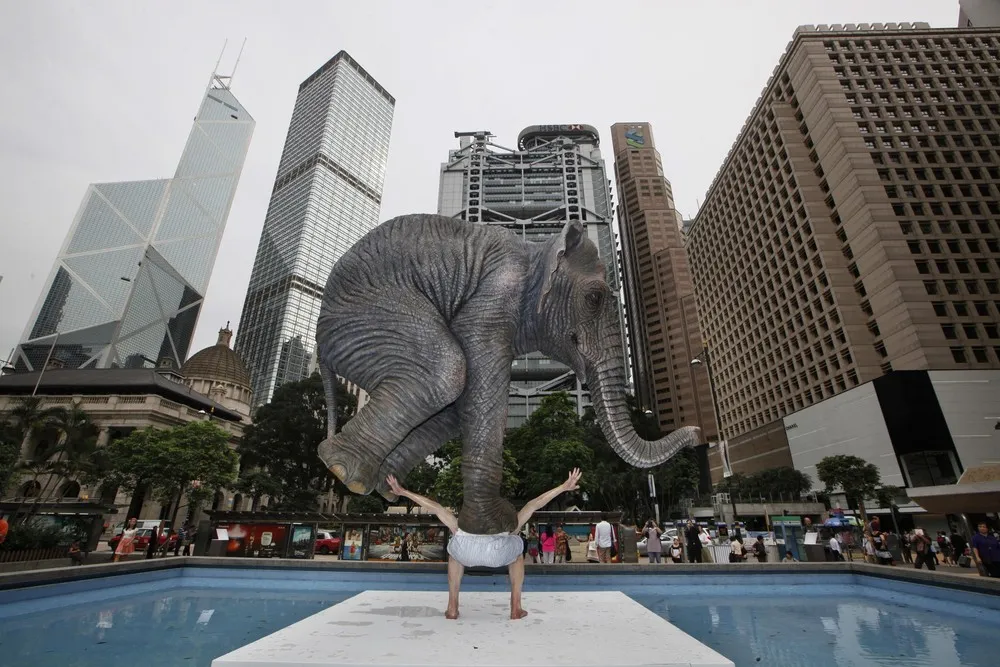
(212, 385)
(978, 13)
(555, 175)
(326, 196)
(853, 228)
(128, 285)
(662, 316)
(919, 428)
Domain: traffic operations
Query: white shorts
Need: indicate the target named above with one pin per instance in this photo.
(473, 550)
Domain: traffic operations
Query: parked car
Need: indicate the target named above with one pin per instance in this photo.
(327, 542)
(142, 538)
(666, 539)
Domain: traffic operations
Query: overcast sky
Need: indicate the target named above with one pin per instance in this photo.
(106, 91)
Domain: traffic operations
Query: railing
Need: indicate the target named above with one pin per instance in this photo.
(33, 554)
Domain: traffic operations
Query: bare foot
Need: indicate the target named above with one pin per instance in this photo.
(451, 614)
(517, 614)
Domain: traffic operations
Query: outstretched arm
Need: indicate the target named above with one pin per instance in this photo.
(571, 484)
(446, 517)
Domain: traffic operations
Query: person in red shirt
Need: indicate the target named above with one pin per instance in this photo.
(3, 529)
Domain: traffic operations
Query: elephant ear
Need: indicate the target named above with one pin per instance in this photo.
(570, 238)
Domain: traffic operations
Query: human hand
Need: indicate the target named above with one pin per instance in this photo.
(395, 486)
(572, 482)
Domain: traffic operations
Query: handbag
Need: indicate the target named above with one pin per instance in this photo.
(592, 551)
(964, 561)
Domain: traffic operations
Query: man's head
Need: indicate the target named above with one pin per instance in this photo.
(983, 528)
(760, 538)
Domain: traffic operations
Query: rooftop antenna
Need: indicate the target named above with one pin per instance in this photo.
(237, 63)
(225, 81)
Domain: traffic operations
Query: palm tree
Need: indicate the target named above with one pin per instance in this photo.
(30, 419)
(76, 438)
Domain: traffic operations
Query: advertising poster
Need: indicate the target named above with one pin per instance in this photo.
(352, 547)
(303, 541)
(261, 540)
(407, 543)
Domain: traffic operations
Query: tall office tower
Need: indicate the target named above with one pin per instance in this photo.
(127, 287)
(326, 196)
(853, 228)
(663, 331)
(978, 13)
(555, 175)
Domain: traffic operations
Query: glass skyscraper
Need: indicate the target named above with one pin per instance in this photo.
(326, 196)
(128, 284)
(555, 175)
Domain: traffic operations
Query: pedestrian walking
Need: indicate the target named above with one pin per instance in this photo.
(881, 543)
(533, 545)
(126, 544)
(547, 540)
(604, 539)
(693, 537)
(154, 543)
(759, 550)
(922, 545)
(652, 534)
(562, 545)
(736, 553)
(904, 547)
(676, 552)
(987, 550)
(959, 549)
(835, 551)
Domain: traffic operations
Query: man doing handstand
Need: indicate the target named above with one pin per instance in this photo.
(472, 550)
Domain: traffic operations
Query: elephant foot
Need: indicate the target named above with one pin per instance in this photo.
(385, 492)
(358, 475)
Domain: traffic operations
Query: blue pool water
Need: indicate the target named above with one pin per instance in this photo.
(189, 617)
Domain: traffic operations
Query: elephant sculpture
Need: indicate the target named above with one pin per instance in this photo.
(426, 314)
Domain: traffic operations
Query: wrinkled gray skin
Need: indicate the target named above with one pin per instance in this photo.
(426, 314)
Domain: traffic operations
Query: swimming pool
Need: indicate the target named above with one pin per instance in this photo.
(190, 615)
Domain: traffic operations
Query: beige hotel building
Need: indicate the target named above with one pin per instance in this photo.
(846, 255)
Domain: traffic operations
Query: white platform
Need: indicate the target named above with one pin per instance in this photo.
(408, 629)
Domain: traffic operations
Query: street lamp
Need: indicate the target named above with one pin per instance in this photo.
(705, 357)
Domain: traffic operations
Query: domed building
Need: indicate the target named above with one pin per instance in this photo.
(219, 373)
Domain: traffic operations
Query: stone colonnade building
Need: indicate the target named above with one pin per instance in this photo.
(212, 385)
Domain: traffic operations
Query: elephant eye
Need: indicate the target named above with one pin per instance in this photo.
(594, 299)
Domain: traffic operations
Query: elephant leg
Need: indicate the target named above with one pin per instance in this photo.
(417, 446)
(411, 378)
(485, 330)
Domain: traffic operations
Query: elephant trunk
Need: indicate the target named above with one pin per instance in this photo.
(606, 380)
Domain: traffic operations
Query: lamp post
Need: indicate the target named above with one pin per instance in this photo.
(705, 357)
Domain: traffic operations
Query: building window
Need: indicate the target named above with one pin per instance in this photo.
(958, 354)
(929, 468)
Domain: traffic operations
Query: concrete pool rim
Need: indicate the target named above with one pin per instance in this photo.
(939, 579)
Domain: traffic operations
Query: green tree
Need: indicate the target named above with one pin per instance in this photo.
(10, 451)
(858, 479)
(171, 459)
(370, 504)
(257, 483)
(30, 420)
(613, 484)
(677, 478)
(76, 443)
(421, 480)
(281, 444)
(448, 488)
(548, 445)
